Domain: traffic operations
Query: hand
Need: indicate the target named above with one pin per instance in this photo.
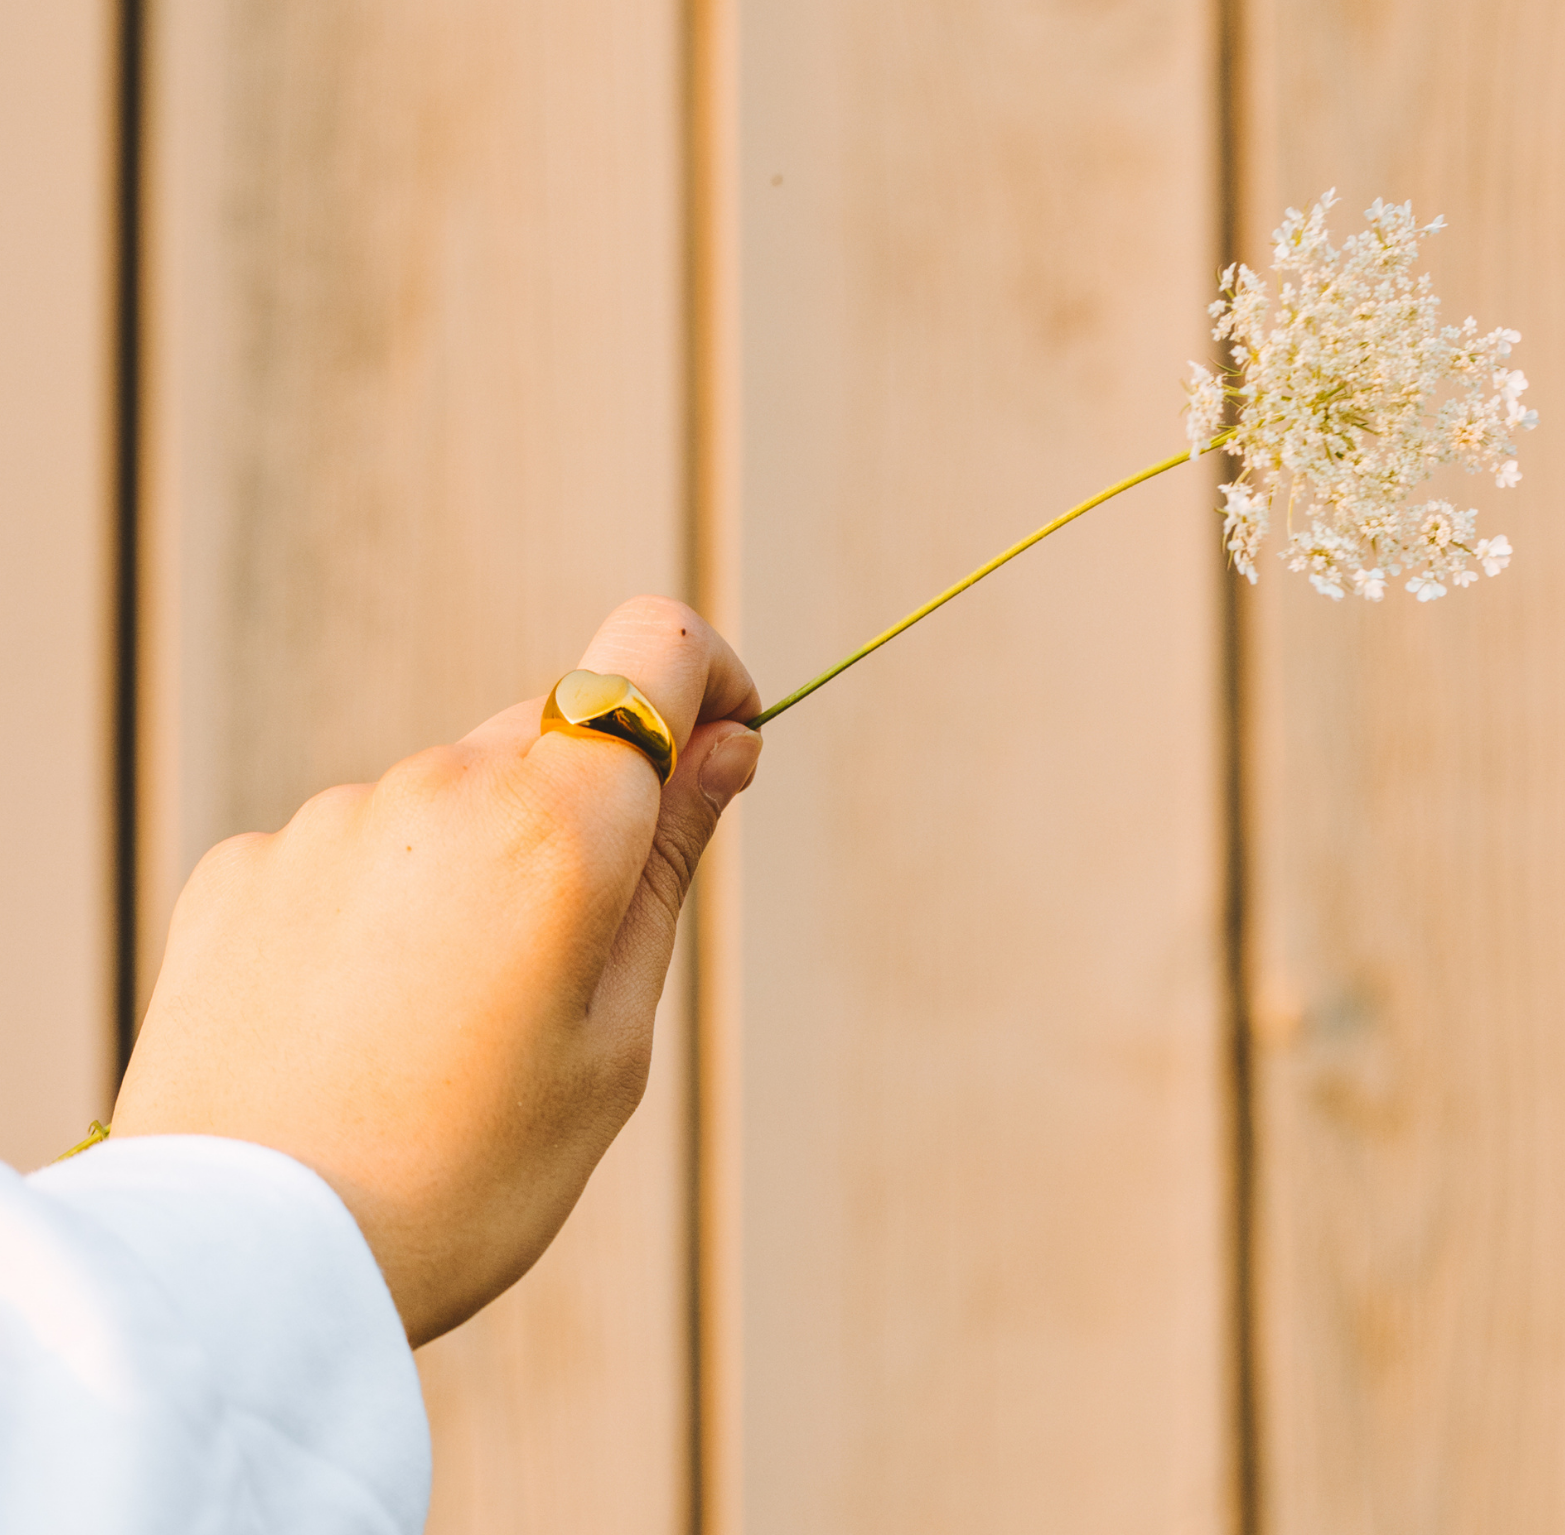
(438, 990)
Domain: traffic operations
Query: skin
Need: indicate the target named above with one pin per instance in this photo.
(437, 990)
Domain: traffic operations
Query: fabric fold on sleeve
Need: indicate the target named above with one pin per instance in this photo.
(194, 1336)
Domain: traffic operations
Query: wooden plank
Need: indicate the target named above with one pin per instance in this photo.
(1409, 848)
(985, 1270)
(715, 362)
(57, 158)
(416, 423)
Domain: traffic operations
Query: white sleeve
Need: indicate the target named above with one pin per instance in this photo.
(194, 1337)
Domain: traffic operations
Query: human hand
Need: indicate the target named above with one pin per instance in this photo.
(437, 991)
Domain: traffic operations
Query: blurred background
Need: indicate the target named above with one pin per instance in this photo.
(1113, 1077)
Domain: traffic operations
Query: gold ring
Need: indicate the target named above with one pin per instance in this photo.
(588, 705)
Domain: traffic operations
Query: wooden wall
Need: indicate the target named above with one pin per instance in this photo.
(981, 886)
(463, 322)
(1408, 847)
(57, 348)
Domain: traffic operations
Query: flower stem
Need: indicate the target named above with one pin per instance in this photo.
(970, 580)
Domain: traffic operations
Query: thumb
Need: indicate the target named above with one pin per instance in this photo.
(718, 763)
(598, 803)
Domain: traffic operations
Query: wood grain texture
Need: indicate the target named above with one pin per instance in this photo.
(57, 157)
(1409, 846)
(716, 415)
(416, 424)
(984, 1240)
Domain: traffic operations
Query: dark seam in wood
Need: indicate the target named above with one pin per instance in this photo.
(127, 510)
(1243, 1368)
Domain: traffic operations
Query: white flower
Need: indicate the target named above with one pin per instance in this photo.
(1350, 394)
(1463, 577)
(1494, 554)
(1512, 386)
(1323, 556)
(1204, 414)
(1511, 382)
(1244, 526)
(1439, 529)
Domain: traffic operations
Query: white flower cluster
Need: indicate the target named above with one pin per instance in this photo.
(1348, 395)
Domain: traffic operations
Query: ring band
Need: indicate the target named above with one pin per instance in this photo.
(589, 705)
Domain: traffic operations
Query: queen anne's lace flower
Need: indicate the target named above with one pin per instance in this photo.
(1494, 554)
(1370, 583)
(1208, 405)
(1350, 395)
(1244, 526)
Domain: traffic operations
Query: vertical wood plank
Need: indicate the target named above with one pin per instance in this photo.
(416, 423)
(1409, 846)
(57, 155)
(985, 1276)
(716, 420)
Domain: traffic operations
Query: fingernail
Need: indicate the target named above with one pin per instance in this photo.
(729, 767)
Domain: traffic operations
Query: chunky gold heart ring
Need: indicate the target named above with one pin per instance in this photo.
(586, 704)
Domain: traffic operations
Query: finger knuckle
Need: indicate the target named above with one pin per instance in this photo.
(411, 786)
(328, 809)
(231, 857)
(228, 867)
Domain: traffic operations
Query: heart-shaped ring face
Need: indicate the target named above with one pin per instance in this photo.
(583, 696)
(585, 704)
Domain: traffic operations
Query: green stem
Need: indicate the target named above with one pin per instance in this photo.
(983, 570)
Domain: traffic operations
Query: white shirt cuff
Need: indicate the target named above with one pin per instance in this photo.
(194, 1336)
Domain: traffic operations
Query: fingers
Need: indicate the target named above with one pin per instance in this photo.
(670, 652)
(719, 763)
(678, 660)
(599, 801)
(691, 676)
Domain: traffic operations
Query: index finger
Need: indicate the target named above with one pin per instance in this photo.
(681, 663)
(595, 802)
(678, 660)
